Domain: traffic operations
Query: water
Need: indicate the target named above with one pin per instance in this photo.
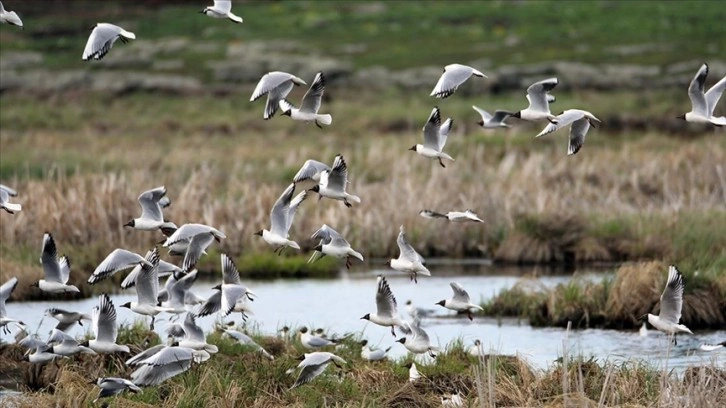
(338, 304)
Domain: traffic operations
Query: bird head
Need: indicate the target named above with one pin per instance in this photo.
(85, 343)
(35, 284)
(366, 317)
(643, 317)
(319, 248)
(131, 224)
(315, 189)
(303, 330)
(388, 263)
(287, 112)
(205, 11)
(480, 123)
(301, 358)
(681, 117)
(218, 287)
(364, 343)
(402, 340)
(258, 232)
(127, 305)
(412, 148)
(441, 302)
(517, 115)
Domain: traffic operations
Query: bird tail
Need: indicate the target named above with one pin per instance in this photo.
(293, 244)
(324, 119)
(354, 198)
(683, 328)
(211, 348)
(12, 207)
(128, 34)
(446, 156)
(235, 18)
(356, 254)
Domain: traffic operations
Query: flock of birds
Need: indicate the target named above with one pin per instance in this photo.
(188, 343)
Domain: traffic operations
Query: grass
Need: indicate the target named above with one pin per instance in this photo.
(236, 376)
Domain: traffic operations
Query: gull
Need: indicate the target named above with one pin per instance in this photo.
(704, 103)
(416, 339)
(539, 101)
(56, 270)
(5, 290)
(334, 181)
(105, 329)
(231, 295)
(102, 38)
(152, 218)
(408, 261)
(435, 135)
(163, 270)
(671, 302)
(308, 111)
(147, 288)
(333, 244)
(42, 354)
(190, 298)
(178, 293)
(489, 121)
(196, 238)
(9, 17)
(192, 335)
(166, 363)
(281, 217)
(413, 373)
(454, 216)
(111, 386)
(313, 364)
(417, 312)
(454, 75)
(5, 204)
(276, 85)
(222, 9)
(460, 302)
(310, 172)
(311, 341)
(246, 340)
(476, 350)
(117, 260)
(452, 400)
(712, 347)
(188, 231)
(66, 319)
(580, 121)
(63, 344)
(369, 354)
(386, 313)
(139, 358)
(27, 340)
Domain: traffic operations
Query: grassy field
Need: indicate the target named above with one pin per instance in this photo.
(234, 377)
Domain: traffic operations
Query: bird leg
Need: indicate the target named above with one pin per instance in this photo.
(441, 163)
(431, 353)
(318, 124)
(151, 326)
(347, 263)
(347, 204)
(393, 331)
(471, 317)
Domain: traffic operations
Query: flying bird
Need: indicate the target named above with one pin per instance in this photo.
(539, 101)
(231, 295)
(454, 75)
(333, 183)
(408, 261)
(308, 111)
(66, 319)
(147, 289)
(246, 340)
(416, 339)
(5, 290)
(313, 364)
(453, 216)
(102, 38)
(276, 85)
(489, 121)
(192, 335)
(579, 121)
(111, 386)
(333, 244)
(671, 302)
(166, 363)
(309, 174)
(152, 218)
(118, 260)
(704, 103)
(56, 270)
(105, 329)
(222, 9)
(460, 302)
(5, 204)
(386, 311)
(281, 217)
(435, 135)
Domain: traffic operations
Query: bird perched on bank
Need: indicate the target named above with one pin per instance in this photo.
(333, 183)
(417, 312)
(539, 102)
(413, 374)
(704, 103)
(476, 349)
(460, 302)
(489, 121)
(435, 135)
(9, 17)
(222, 9)
(671, 302)
(276, 85)
(386, 312)
(111, 386)
(454, 75)
(408, 261)
(333, 244)
(102, 38)
(370, 354)
(152, 218)
(454, 216)
(281, 217)
(308, 111)
(313, 364)
(452, 400)
(579, 121)
(312, 342)
(5, 204)
(56, 270)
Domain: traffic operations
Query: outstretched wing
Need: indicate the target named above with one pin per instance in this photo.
(314, 96)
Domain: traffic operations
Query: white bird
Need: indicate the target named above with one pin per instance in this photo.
(62, 344)
(580, 122)
(408, 261)
(476, 349)
(231, 295)
(42, 354)
(178, 293)
(197, 247)
(310, 172)
(313, 364)
(454, 75)
(111, 386)
(712, 347)
(489, 121)
(164, 269)
(333, 183)
(370, 354)
(222, 9)
(147, 289)
(187, 232)
(5, 290)
(417, 312)
(539, 101)
(105, 329)
(66, 319)
(704, 103)
(139, 358)
(117, 260)
(192, 335)
(281, 217)
(56, 270)
(9, 17)
(671, 302)
(308, 111)
(152, 218)
(246, 340)
(454, 216)
(102, 38)
(333, 244)
(5, 204)
(460, 302)
(452, 400)
(166, 363)
(276, 85)
(435, 135)
(311, 341)
(386, 312)
(416, 339)
(413, 374)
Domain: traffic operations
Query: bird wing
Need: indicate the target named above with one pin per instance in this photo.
(117, 260)
(419, 335)
(578, 130)
(696, 91)
(460, 295)
(294, 205)
(192, 331)
(714, 94)
(309, 372)
(309, 170)
(500, 116)
(223, 6)
(485, 116)
(270, 81)
(431, 130)
(178, 291)
(230, 295)
(195, 250)
(139, 358)
(564, 119)
(537, 94)
(187, 231)
(313, 97)
(279, 212)
(453, 76)
(11, 192)
(49, 259)
(671, 301)
(100, 41)
(104, 320)
(444, 132)
(150, 206)
(407, 250)
(385, 301)
(230, 274)
(337, 177)
(147, 281)
(212, 305)
(5, 290)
